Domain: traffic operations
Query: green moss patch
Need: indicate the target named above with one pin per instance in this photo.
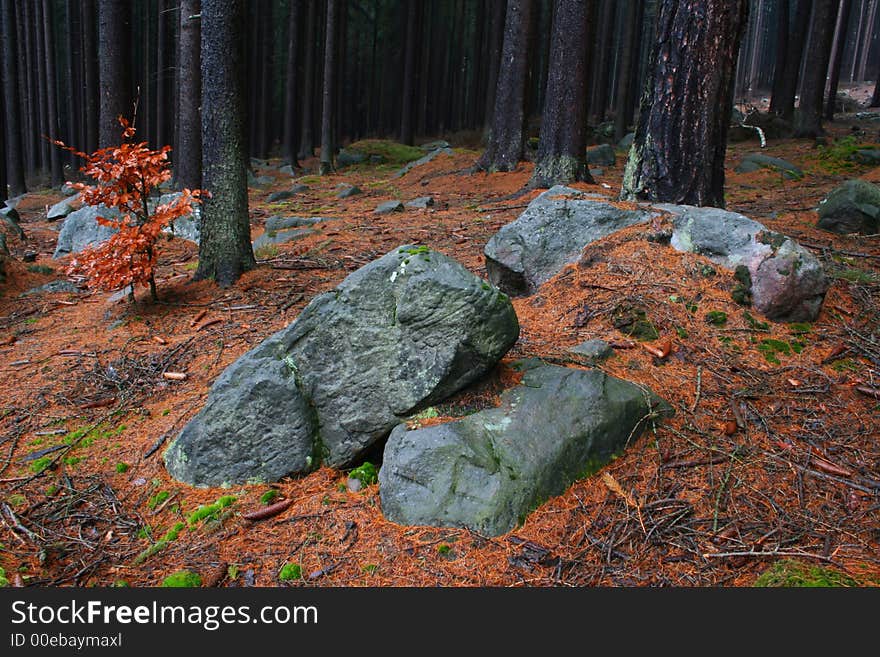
(269, 496)
(793, 573)
(290, 572)
(772, 349)
(716, 317)
(182, 579)
(391, 152)
(366, 473)
(633, 322)
(742, 290)
(207, 511)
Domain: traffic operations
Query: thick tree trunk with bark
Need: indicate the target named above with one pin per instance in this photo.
(782, 102)
(306, 138)
(14, 146)
(290, 133)
(603, 60)
(628, 58)
(837, 57)
(496, 39)
(114, 64)
(562, 146)
(329, 90)
(808, 118)
(42, 90)
(57, 175)
(409, 67)
(225, 250)
(681, 137)
(507, 135)
(188, 160)
(782, 14)
(90, 76)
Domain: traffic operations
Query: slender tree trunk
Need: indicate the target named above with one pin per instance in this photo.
(409, 66)
(263, 107)
(114, 63)
(329, 89)
(91, 76)
(627, 66)
(164, 73)
(42, 87)
(57, 175)
(496, 37)
(808, 118)
(837, 57)
(680, 141)
(188, 162)
(4, 189)
(75, 83)
(562, 146)
(13, 146)
(306, 139)
(31, 96)
(783, 105)
(867, 38)
(225, 250)
(783, 11)
(507, 136)
(290, 136)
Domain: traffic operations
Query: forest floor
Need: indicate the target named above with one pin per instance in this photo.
(772, 454)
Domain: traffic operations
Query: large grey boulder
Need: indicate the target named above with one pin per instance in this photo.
(488, 470)
(401, 333)
(9, 216)
(349, 157)
(61, 209)
(281, 236)
(788, 283)
(627, 141)
(422, 160)
(754, 161)
(388, 207)
(550, 233)
(603, 155)
(283, 223)
(81, 229)
(347, 191)
(186, 227)
(420, 203)
(853, 207)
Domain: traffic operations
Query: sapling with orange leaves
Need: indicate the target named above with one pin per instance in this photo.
(125, 177)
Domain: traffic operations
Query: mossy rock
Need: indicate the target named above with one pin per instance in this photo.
(391, 152)
(633, 322)
(794, 573)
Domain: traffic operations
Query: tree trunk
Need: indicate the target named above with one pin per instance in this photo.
(188, 161)
(329, 90)
(164, 74)
(496, 37)
(783, 104)
(563, 142)
(42, 87)
(409, 66)
(306, 139)
(32, 110)
(290, 136)
(507, 136)
(681, 137)
(603, 62)
(74, 134)
(783, 10)
(627, 66)
(57, 174)
(114, 64)
(837, 57)
(225, 250)
(13, 147)
(90, 68)
(808, 119)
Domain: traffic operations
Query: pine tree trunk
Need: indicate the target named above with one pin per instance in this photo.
(114, 64)
(42, 87)
(164, 74)
(783, 9)
(188, 161)
(808, 118)
(290, 136)
(563, 142)
(90, 77)
(681, 137)
(225, 250)
(13, 147)
(603, 61)
(329, 90)
(57, 174)
(788, 84)
(496, 37)
(75, 82)
(306, 138)
(4, 194)
(262, 116)
(507, 136)
(32, 109)
(627, 66)
(409, 66)
(837, 57)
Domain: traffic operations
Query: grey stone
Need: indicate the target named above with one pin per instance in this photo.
(288, 169)
(867, 156)
(551, 233)
(348, 157)
(9, 216)
(853, 207)
(186, 227)
(597, 172)
(52, 287)
(422, 160)
(420, 203)
(737, 117)
(281, 237)
(280, 196)
(488, 470)
(81, 229)
(59, 210)
(348, 191)
(4, 250)
(626, 143)
(788, 282)
(594, 350)
(603, 155)
(388, 206)
(399, 334)
(754, 161)
(299, 189)
(258, 181)
(67, 190)
(282, 223)
(435, 145)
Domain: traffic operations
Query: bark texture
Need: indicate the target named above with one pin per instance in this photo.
(329, 90)
(677, 155)
(808, 118)
(782, 102)
(14, 146)
(290, 130)
(225, 250)
(188, 159)
(114, 68)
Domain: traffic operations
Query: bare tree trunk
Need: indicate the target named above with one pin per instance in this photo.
(13, 146)
(114, 62)
(562, 146)
(867, 37)
(307, 140)
(496, 37)
(90, 61)
(603, 60)
(783, 10)
(783, 102)
(409, 66)
(42, 88)
(506, 139)
(57, 175)
(188, 162)
(225, 250)
(837, 57)
(329, 90)
(627, 66)
(290, 135)
(678, 152)
(808, 118)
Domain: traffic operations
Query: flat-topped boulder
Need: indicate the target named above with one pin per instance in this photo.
(489, 470)
(853, 207)
(399, 334)
(81, 229)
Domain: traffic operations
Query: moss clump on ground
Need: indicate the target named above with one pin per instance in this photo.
(773, 348)
(182, 579)
(210, 510)
(157, 499)
(632, 321)
(742, 291)
(716, 317)
(169, 537)
(391, 152)
(290, 572)
(793, 573)
(269, 496)
(366, 473)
